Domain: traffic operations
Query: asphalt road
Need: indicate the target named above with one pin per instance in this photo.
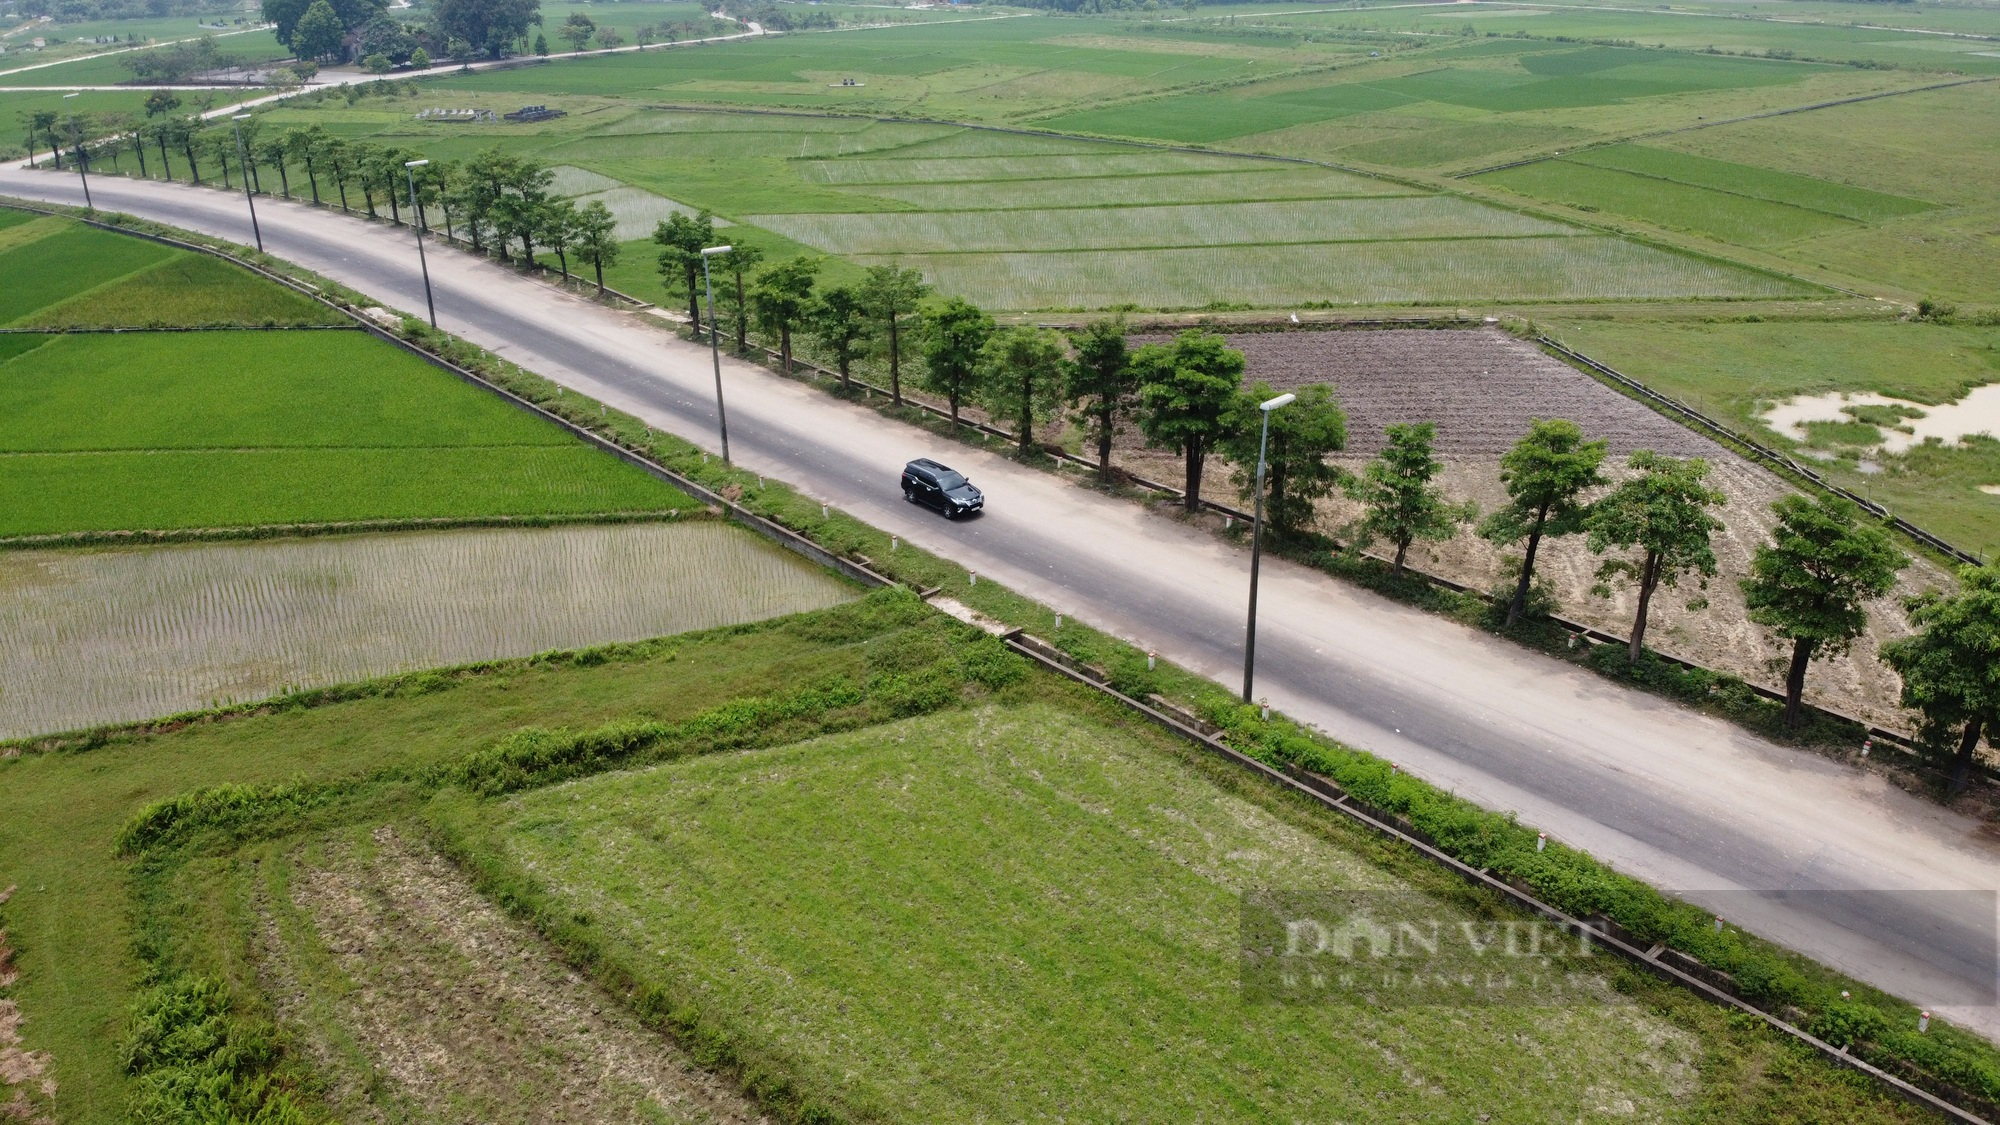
(1835, 863)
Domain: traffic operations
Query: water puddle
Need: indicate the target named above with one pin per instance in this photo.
(1899, 423)
(89, 637)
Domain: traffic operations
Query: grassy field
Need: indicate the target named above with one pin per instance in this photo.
(1732, 369)
(226, 428)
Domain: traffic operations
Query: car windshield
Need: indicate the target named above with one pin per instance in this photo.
(949, 480)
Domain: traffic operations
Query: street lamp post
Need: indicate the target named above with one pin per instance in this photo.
(715, 345)
(410, 170)
(243, 162)
(1257, 542)
(82, 162)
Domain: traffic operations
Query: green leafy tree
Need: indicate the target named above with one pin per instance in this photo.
(1662, 511)
(286, 15)
(522, 209)
(557, 230)
(1188, 398)
(1403, 504)
(319, 33)
(740, 260)
(306, 146)
(1103, 385)
(780, 297)
(838, 319)
(1021, 377)
(578, 29)
(954, 331)
(682, 238)
(420, 59)
(481, 192)
(541, 44)
(1951, 666)
(892, 293)
(487, 26)
(597, 237)
(338, 156)
(1296, 472)
(1546, 474)
(1812, 582)
(273, 151)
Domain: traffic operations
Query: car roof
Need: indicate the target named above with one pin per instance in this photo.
(927, 463)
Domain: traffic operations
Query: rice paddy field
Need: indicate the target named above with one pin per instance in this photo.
(964, 845)
(277, 413)
(95, 637)
(1024, 222)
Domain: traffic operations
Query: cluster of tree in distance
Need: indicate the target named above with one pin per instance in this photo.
(322, 30)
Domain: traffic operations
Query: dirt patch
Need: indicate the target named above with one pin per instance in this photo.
(20, 1068)
(423, 1002)
(1481, 387)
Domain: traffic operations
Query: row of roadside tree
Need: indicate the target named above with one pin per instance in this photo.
(1811, 585)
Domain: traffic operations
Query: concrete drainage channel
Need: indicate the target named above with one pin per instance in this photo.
(1668, 964)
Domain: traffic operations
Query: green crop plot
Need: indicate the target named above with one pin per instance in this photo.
(1132, 191)
(1216, 224)
(67, 262)
(189, 429)
(187, 290)
(1515, 269)
(1759, 183)
(1741, 219)
(1001, 168)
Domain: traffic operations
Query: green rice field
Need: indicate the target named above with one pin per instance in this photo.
(233, 428)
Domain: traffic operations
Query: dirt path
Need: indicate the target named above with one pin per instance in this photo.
(442, 1009)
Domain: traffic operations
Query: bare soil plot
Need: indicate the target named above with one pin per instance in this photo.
(446, 1010)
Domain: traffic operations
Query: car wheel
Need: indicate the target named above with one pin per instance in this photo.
(909, 497)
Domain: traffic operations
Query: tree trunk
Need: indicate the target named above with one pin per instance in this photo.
(1649, 580)
(562, 256)
(448, 235)
(194, 166)
(1106, 419)
(846, 384)
(1192, 500)
(341, 182)
(256, 181)
(1027, 414)
(895, 363)
(1795, 681)
(953, 399)
(368, 195)
(395, 212)
(694, 298)
(1961, 771)
(284, 180)
(1402, 548)
(1520, 603)
(742, 320)
(785, 346)
(312, 177)
(599, 263)
(140, 148)
(225, 173)
(168, 165)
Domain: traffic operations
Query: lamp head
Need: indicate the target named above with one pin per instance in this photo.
(67, 97)
(416, 163)
(1280, 401)
(240, 117)
(712, 251)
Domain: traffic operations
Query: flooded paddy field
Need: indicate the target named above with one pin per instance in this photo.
(92, 637)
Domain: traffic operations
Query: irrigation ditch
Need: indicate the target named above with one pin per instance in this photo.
(1659, 959)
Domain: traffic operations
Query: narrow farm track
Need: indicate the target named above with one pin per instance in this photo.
(1687, 802)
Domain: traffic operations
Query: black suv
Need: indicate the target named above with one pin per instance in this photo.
(935, 486)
